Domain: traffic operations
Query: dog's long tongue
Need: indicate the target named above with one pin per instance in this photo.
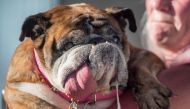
(81, 84)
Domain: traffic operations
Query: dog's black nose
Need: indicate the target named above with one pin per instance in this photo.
(96, 40)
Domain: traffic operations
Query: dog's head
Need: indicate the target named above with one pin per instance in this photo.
(83, 49)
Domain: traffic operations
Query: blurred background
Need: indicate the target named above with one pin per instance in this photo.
(14, 12)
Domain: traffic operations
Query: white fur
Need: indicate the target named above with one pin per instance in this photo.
(42, 91)
(77, 4)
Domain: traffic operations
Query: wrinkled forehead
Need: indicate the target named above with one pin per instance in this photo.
(65, 18)
(68, 13)
(86, 8)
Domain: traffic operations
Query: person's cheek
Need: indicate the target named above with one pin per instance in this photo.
(148, 7)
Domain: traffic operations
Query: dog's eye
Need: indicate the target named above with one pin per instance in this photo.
(68, 45)
(116, 39)
(64, 46)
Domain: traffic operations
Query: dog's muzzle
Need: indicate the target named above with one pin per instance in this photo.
(90, 69)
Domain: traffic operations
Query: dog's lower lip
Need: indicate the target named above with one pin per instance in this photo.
(74, 72)
(81, 83)
(67, 76)
(86, 62)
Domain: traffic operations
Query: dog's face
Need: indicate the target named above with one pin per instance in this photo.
(83, 49)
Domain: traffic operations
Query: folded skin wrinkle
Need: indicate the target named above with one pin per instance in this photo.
(102, 58)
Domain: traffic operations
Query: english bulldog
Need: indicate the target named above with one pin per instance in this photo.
(78, 57)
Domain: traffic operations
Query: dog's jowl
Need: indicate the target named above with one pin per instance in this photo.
(78, 56)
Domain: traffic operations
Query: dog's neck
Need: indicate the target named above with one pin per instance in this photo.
(43, 92)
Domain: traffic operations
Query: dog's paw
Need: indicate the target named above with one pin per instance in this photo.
(156, 97)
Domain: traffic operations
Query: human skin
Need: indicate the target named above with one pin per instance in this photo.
(168, 28)
(177, 82)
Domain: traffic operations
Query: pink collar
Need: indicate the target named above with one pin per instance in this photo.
(92, 98)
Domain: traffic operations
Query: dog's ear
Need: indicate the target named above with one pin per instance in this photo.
(121, 14)
(34, 26)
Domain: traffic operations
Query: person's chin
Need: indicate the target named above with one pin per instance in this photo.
(162, 31)
(164, 26)
(163, 38)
